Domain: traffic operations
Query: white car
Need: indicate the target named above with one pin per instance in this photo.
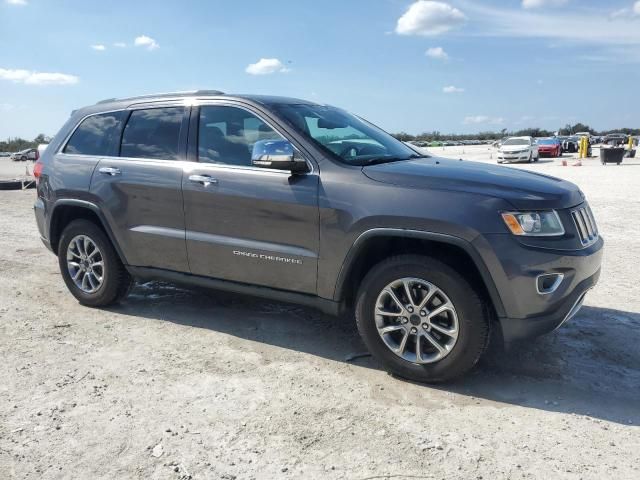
(518, 149)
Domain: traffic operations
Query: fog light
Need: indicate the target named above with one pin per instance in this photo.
(548, 282)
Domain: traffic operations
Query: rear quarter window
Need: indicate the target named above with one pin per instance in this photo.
(153, 133)
(97, 135)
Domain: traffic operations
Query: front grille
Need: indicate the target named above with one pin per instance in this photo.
(586, 225)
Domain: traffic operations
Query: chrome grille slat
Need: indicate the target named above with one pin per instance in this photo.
(585, 224)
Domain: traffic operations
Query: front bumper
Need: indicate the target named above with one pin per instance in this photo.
(549, 152)
(513, 157)
(514, 329)
(515, 269)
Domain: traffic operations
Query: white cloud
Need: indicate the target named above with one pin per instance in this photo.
(452, 89)
(265, 66)
(120, 44)
(479, 119)
(99, 47)
(37, 78)
(147, 42)
(609, 39)
(429, 18)
(636, 8)
(543, 3)
(437, 53)
(16, 2)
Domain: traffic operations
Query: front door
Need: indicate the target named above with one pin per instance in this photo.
(243, 223)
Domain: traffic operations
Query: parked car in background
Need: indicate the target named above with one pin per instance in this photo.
(5, 154)
(615, 139)
(551, 147)
(518, 149)
(570, 144)
(28, 154)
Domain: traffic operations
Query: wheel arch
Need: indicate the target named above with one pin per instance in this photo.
(66, 210)
(377, 244)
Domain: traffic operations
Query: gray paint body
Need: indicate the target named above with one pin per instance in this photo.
(299, 233)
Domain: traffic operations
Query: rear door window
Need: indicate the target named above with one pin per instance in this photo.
(97, 135)
(153, 133)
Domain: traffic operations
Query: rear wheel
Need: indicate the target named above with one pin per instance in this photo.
(421, 319)
(90, 266)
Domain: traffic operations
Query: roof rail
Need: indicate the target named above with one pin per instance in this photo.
(188, 93)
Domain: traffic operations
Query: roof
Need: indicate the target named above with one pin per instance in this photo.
(263, 99)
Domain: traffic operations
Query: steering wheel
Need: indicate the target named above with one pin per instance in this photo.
(347, 152)
(365, 149)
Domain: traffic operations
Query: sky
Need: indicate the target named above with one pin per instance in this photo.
(457, 66)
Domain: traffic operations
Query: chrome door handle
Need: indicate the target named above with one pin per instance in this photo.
(110, 171)
(205, 180)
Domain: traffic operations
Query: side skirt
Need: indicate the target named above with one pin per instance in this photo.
(329, 307)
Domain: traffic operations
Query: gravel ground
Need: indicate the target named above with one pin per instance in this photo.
(180, 383)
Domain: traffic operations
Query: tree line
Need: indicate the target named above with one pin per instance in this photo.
(525, 132)
(17, 144)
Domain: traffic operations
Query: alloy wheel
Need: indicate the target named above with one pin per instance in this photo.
(85, 264)
(416, 320)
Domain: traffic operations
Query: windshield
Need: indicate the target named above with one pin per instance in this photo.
(516, 141)
(547, 141)
(345, 136)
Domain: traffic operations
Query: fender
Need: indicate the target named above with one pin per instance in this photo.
(465, 245)
(95, 209)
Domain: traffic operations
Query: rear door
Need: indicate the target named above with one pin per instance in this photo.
(243, 223)
(140, 187)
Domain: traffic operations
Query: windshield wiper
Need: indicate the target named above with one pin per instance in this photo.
(389, 159)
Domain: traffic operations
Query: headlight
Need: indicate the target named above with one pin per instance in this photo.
(534, 224)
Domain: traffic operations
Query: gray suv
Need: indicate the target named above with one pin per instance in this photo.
(299, 202)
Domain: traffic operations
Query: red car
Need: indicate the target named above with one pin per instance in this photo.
(551, 147)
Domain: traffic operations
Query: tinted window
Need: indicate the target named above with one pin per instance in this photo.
(153, 133)
(97, 135)
(227, 135)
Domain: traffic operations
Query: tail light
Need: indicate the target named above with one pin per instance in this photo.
(37, 170)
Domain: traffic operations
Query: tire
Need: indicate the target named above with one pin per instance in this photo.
(473, 320)
(116, 281)
(530, 158)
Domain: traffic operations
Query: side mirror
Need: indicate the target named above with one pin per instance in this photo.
(277, 154)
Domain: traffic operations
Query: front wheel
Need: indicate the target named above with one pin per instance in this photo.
(90, 266)
(421, 319)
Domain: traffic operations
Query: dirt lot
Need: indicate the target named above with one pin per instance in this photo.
(177, 383)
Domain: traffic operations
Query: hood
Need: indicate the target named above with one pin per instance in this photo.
(523, 189)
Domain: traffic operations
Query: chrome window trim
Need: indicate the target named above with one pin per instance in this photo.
(186, 102)
(130, 108)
